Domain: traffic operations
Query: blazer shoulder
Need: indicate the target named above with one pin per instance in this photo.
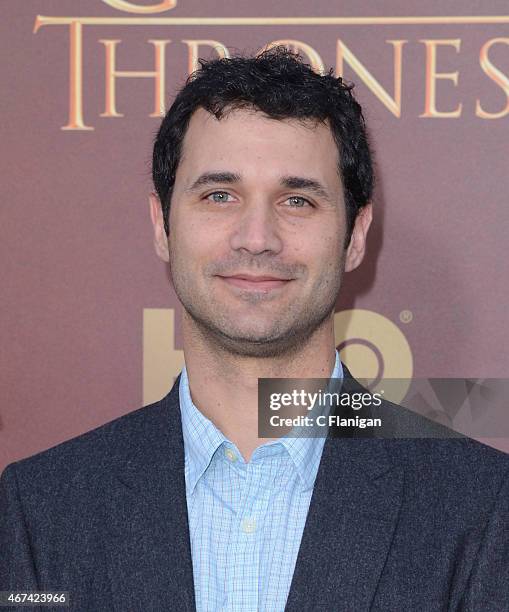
(462, 470)
(420, 442)
(425, 442)
(91, 452)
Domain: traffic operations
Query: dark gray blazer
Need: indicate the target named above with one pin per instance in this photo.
(393, 525)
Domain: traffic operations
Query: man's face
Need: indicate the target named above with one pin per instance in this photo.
(257, 228)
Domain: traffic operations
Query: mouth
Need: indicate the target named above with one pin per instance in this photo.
(255, 283)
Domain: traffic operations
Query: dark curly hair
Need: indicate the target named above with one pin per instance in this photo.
(279, 84)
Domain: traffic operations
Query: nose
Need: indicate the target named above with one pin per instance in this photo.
(256, 230)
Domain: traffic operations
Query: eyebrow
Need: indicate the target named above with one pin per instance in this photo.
(210, 178)
(290, 182)
(311, 185)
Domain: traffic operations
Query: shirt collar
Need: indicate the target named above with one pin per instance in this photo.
(202, 439)
(306, 451)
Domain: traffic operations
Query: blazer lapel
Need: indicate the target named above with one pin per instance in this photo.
(349, 527)
(350, 524)
(147, 533)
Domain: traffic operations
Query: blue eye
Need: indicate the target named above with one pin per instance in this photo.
(218, 196)
(298, 202)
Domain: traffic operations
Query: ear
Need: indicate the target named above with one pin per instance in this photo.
(160, 237)
(357, 246)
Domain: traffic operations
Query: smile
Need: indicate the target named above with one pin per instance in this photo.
(253, 283)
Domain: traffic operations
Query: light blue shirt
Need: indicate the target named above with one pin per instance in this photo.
(246, 519)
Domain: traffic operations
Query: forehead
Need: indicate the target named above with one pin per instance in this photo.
(248, 142)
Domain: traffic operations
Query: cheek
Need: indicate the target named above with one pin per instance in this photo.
(196, 243)
(318, 250)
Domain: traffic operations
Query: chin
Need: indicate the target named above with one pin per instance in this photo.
(258, 344)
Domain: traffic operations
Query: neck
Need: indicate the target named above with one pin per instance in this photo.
(224, 386)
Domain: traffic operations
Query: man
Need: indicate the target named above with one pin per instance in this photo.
(263, 182)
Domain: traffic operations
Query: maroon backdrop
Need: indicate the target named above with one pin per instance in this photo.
(78, 267)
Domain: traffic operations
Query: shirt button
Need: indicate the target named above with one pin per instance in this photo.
(230, 455)
(248, 525)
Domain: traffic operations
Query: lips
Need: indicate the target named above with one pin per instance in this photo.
(257, 283)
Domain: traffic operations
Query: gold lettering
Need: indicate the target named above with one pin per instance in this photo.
(193, 47)
(76, 79)
(297, 46)
(129, 7)
(343, 54)
(75, 121)
(497, 76)
(430, 109)
(162, 362)
(112, 74)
